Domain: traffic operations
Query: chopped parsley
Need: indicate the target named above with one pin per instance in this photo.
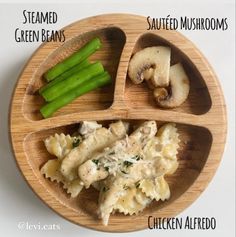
(106, 168)
(137, 157)
(127, 163)
(124, 172)
(95, 161)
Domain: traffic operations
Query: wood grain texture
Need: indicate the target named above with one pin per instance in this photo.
(201, 120)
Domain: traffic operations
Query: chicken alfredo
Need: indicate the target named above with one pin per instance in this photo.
(126, 165)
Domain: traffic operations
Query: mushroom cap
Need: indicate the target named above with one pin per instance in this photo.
(179, 88)
(156, 58)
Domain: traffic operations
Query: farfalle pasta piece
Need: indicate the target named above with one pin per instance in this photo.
(59, 145)
(153, 148)
(73, 188)
(165, 143)
(51, 170)
(169, 139)
(156, 188)
(164, 146)
(132, 201)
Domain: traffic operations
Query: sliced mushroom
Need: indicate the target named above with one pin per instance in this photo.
(152, 63)
(179, 88)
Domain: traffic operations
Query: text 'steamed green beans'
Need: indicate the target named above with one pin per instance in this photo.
(65, 75)
(73, 81)
(74, 59)
(96, 82)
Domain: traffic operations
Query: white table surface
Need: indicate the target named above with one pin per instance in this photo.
(17, 201)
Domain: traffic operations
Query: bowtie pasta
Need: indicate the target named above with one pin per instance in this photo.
(128, 170)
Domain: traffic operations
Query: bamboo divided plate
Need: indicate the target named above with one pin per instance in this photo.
(201, 120)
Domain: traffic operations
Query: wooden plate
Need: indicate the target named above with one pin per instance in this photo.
(201, 120)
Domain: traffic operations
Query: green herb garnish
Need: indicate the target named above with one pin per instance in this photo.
(124, 172)
(95, 161)
(127, 163)
(137, 157)
(106, 168)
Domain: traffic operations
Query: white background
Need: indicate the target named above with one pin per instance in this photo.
(19, 204)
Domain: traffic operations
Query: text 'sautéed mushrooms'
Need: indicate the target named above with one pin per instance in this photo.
(178, 89)
(151, 63)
